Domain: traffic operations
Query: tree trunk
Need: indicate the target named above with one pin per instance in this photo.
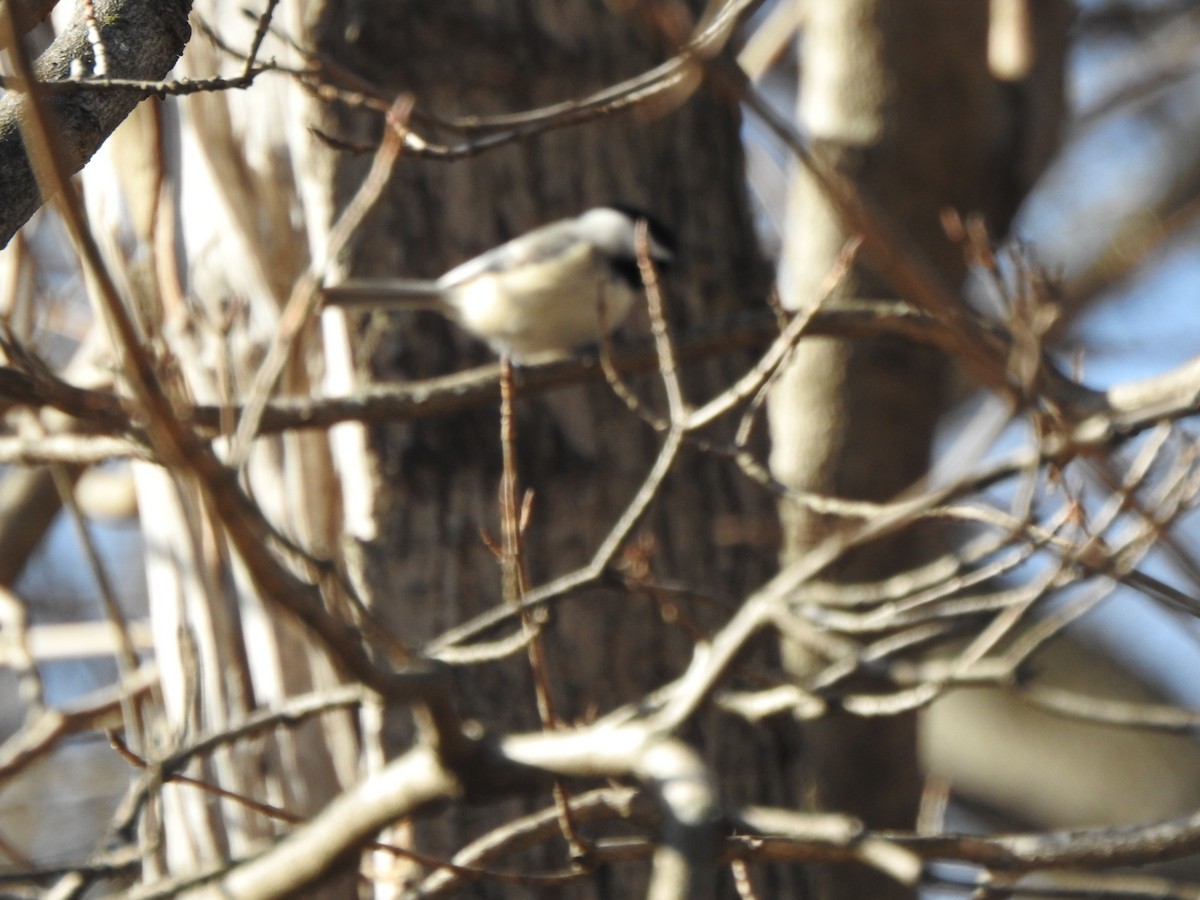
(898, 97)
(432, 488)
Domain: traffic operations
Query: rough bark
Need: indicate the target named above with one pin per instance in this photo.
(433, 488)
(143, 40)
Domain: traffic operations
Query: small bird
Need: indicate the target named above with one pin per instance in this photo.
(551, 290)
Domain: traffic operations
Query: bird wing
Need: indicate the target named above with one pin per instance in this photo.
(542, 245)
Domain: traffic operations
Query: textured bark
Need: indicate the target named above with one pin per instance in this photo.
(143, 40)
(434, 486)
(896, 95)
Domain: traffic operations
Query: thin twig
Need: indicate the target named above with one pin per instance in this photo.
(260, 33)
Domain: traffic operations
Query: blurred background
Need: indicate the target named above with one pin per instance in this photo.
(1115, 221)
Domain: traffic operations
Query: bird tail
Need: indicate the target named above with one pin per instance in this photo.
(385, 293)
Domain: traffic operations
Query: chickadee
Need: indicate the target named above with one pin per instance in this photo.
(552, 289)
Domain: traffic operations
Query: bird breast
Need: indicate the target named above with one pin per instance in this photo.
(535, 309)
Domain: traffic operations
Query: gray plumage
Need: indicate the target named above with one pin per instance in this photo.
(552, 289)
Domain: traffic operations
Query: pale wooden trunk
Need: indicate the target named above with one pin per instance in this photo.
(897, 95)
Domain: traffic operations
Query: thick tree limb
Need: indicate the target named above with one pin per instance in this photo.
(142, 39)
